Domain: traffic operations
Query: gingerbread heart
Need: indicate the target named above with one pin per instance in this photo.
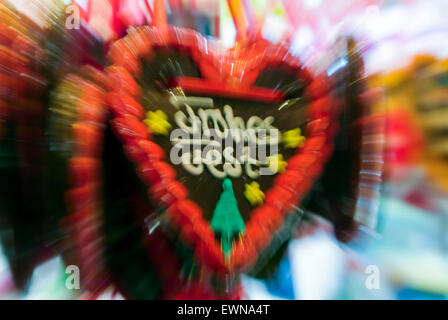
(227, 143)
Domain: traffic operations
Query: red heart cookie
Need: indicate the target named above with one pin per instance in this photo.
(228, 143)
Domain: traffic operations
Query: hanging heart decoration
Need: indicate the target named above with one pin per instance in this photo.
(228, 142)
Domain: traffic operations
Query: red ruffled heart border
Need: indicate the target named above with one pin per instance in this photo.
(288, 188)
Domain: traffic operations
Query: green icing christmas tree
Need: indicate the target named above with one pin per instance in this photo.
(227, 219)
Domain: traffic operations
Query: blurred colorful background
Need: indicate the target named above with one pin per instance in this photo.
(399, 249)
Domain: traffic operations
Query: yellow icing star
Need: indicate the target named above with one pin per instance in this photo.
(293, 138)
(253, 193)
(157, 122)
(276, 163)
